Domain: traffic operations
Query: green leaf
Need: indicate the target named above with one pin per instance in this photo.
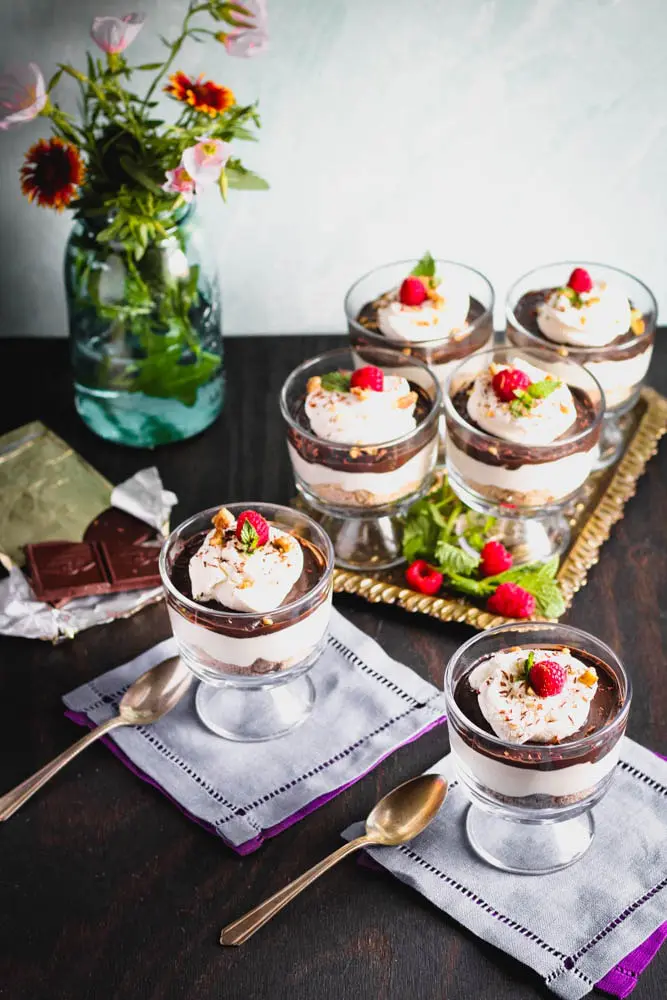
(150, 66)
(223, 183)
(336, 382)
(249, 537)
(55, 79)
(467, 585)
(549, 599)
(425, 268)
(451, 559)
(135, 171)
(245, 180)
(540, 390)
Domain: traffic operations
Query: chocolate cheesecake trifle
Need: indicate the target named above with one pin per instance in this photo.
(248, 591)
(522, 427)
(548, 696)
(434, 310)
(536, 712)
(596, 314)
(362, 438)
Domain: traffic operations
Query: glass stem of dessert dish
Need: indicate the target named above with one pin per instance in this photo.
(436, 311)
(248, 590)
(523, 427)
(535, 714)
(594, 314)
(363, 443)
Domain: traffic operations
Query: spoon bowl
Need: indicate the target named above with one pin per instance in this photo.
(155, 693)
(407, 810)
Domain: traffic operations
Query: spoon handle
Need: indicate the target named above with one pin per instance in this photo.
(14, 799)
(243, 928)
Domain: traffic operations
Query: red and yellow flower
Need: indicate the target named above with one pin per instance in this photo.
(52, 173)
(203, 95)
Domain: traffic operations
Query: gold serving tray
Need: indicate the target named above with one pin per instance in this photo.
(601, 505)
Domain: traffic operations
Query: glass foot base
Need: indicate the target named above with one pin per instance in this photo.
(526, 848)
(255, 714)
(365, 542)
(533, 539)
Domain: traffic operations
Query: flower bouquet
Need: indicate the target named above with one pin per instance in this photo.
(144, 309)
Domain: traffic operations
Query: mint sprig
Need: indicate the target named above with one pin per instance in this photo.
(425, 268)
(526, 398)
(336, 382)
(434, 529)
(249, 537)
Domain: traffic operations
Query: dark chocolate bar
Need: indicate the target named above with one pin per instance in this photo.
(62, 570)
(116, 526)
(133, 567)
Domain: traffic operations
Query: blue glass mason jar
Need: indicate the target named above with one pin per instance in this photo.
(145, 337)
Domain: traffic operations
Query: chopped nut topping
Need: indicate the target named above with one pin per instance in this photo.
(267, 621)
(637, 324)
(405, 401)
(563, 351)
(360, 393)
(493, 449)
(313, 383)
(282, 543)
(221, 521)
(355, 452)
(407, 351)
(589, 677)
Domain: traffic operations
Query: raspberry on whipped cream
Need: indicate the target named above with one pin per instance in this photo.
(345, 414)
(223, 569)
(436, 311)
(530, 419)
(516, 713)
(584, 318)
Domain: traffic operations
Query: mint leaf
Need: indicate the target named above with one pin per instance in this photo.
(549, 599)
(336, 382)
(467, 585)
(528, 662)
(249, 537)
(425, 268)
(540, 390)
(420, 532)
(453, 560)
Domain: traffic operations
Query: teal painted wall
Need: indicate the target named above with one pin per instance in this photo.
(502, 133)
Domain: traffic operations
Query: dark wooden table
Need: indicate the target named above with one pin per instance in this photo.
(109, 893)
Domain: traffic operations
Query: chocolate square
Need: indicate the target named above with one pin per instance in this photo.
(133, 567)
(115, 526)
(62, 570)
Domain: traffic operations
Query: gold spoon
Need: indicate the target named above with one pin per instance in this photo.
(396, 818)
(150, 697)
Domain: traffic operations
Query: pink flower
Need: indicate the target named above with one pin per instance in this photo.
(250, 36)
(22, 95)
(179, 182)
(114, 34)
(205, 160)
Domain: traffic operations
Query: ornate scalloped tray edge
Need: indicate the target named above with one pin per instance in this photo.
(591, 519)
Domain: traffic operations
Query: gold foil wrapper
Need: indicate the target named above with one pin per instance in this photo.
(47, 491)
(600, 505)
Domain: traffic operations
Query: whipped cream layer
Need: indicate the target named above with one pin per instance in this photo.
(440, 316)
(515, 712)
(594, 319)
(362, 416)
(546, 420)
(258, 581)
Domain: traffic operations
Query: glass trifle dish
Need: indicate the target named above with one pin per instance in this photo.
(535, 714)
(363, 442)
(523, 427)
(248, 590)
(437, 311)
(597, 315)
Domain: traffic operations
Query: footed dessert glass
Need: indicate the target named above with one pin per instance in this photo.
(253, 666)
(526, 487)
(620, 366)
(359, 492)
(530, 810)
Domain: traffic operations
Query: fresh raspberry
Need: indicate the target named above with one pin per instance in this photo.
(368, 377)
(512, 601)
(256, 524)
(547, 678)
(506, 381)
(494, 559)
(423, 577)
(412, 292)
(580, 281)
